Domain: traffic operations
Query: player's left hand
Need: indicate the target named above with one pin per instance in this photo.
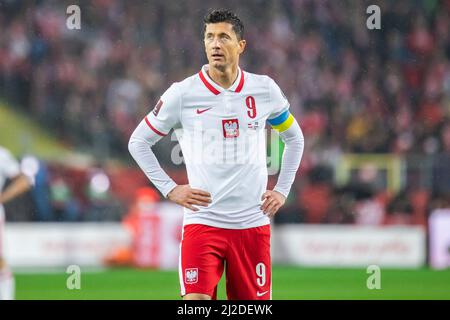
(272, 203)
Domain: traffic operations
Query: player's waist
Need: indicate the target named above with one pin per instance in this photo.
(229, 220)
(230, 184)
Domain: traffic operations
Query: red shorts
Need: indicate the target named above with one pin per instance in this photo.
(244, 253)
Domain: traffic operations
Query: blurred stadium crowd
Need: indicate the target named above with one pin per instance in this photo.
(353, 90)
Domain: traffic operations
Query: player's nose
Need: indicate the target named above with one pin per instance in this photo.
(215, 44)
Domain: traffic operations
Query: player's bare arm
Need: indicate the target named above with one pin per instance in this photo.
(20, 184)
(187, 197)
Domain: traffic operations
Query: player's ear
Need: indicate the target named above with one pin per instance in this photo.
(242, 44)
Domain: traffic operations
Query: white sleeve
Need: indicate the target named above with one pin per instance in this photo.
(141, 141)
(292, 156)
(10, 167)
(278, 100)
(166, 114)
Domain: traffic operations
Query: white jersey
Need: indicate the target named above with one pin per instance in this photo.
(9, 168)
(222, 139)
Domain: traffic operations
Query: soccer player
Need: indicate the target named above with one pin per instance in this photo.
(9, 169)
(219, 117)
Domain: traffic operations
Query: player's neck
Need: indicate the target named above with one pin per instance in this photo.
(224, 78)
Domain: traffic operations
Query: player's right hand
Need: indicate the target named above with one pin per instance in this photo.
(186, 196)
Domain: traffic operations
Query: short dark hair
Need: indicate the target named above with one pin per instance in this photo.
(225, 15)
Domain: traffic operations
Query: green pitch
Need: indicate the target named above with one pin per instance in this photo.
(288, 283)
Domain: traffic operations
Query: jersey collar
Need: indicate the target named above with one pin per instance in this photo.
(215, 88)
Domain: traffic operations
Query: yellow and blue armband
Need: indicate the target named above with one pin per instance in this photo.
(282, 122)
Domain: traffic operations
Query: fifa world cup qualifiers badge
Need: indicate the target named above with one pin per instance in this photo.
(230, 128)
(157, 108)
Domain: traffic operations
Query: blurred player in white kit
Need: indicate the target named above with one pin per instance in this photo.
(20, 183)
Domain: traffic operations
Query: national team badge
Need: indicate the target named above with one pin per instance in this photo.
(230, 128)
(191, 275)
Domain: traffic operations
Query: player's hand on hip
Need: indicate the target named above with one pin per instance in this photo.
(273, 201)
(187, 197)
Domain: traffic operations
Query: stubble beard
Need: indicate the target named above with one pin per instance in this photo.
(219, 66)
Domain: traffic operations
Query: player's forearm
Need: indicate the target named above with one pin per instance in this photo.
(292, 155)
(18, 186)
(139, 146)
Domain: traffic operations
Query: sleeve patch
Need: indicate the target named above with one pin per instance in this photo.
(157, 107)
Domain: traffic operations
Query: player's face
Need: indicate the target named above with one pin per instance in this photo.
(222, 45)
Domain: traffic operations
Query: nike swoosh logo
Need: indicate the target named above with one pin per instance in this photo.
(201, 111)
(260, 294)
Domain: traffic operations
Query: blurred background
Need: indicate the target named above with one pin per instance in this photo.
(374, 106)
